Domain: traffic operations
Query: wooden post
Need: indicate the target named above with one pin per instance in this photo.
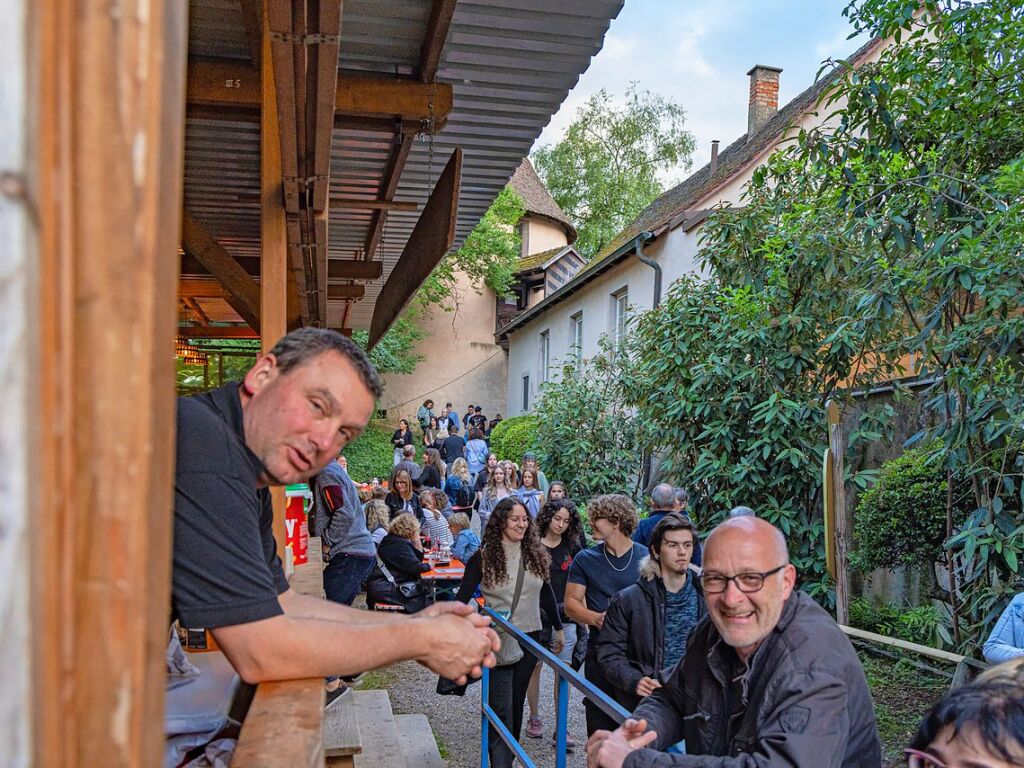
(18, 339)
(837, 448)
(273, 238)
(109, 102)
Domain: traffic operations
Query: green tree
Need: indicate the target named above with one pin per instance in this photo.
(488, 257)
(931, 152)
(604, 171)
(585, 435)
(396, 351)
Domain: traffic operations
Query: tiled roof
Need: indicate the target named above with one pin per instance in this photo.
(537, 199)
(687, 193)
(535, 260)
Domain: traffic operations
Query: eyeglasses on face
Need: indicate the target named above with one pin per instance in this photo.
(715, 583)
(917, 759)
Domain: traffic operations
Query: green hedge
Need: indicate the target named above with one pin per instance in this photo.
(514, 436)
(371, 455)
(901, 519)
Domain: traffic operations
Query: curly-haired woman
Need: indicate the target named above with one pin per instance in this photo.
(511, 554)
(561, 532)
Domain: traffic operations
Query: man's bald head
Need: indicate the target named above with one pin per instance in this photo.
(763, 534)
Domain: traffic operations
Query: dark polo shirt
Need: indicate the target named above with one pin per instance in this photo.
(226, 569)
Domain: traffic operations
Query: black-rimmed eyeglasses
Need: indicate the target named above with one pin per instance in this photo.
(715, 583)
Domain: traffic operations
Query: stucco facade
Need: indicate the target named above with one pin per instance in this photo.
(539, 346)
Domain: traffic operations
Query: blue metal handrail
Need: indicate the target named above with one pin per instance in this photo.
(565, 675)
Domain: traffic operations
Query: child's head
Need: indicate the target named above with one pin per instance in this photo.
(458, 523)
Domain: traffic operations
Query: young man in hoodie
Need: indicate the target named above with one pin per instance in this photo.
(647, 624)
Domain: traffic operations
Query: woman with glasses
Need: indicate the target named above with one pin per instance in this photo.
(401, 497)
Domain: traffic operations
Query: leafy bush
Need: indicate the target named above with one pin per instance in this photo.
(514, 436)
(585, 436)
(923, 625)
(901, 520)
(371, 455)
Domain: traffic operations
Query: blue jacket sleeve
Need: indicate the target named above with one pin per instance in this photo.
(1007, 639)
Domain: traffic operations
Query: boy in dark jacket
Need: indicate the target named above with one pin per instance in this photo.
(647, 624)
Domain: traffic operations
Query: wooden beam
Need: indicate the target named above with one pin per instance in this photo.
(195, 310)
(223, 84)
(354, 269)
(283, 726)
(433, 42)
(244, 293)
(341, 292)
(218, 332)
(375, 205)
(323, 63)
(430, 240)
(202, 288)
(389, 187)
(107, 151)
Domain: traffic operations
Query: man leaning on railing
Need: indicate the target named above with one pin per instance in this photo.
(768, 678)
(295, 409)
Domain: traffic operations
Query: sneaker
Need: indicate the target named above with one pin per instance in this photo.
(535, 727)
(333, 696)
(570, 743)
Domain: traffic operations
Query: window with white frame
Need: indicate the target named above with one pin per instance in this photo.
(620, 307)
(576, 339)
(545, 356)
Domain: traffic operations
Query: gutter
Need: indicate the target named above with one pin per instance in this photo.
(646, 237)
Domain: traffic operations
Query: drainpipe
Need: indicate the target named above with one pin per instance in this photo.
(645, 237)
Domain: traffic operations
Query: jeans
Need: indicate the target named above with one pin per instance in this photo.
(506, 696)
(344, 576)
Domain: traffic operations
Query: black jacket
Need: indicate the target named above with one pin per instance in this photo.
(632, 640)
(807, 701)
(430, 477)
(401, 439)
(453, 447)
(403, 559)
(396, 503)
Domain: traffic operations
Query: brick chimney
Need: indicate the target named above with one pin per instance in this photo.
(764, 96)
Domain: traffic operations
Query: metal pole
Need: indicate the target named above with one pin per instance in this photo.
(561, 722)
(485, 687)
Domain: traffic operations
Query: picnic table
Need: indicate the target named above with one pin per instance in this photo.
(442, 575)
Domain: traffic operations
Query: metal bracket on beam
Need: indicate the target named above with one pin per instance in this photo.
(306, 181)
(314, 39)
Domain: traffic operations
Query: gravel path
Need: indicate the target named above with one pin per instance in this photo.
(456, 720)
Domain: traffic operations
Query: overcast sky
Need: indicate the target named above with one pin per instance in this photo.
(697, 52)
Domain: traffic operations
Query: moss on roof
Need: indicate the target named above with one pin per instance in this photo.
(537, 199)
(535, 260)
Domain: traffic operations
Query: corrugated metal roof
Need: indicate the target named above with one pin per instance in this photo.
(510, 64)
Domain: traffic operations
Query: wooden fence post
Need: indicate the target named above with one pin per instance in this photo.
(840, 533)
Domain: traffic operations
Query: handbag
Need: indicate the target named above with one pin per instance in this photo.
(410, 590)
(510, 651)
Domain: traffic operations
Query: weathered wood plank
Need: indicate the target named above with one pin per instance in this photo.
(283, 726)
(109, 162)
(433, 42)
(377, 731)
(430, 240)
(345, 292)
(353, 269)
(341, 729)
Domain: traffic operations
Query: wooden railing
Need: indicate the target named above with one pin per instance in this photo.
(966, 667)
(284, 724)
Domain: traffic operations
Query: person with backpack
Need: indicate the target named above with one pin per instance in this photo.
(458, 487)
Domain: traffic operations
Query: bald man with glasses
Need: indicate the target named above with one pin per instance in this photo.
(768, 678)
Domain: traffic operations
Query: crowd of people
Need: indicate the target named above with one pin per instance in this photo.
(726, 657)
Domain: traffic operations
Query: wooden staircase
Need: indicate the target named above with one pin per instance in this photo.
(361, 731)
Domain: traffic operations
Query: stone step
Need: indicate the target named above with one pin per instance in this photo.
(418, 742)
(381, 746)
